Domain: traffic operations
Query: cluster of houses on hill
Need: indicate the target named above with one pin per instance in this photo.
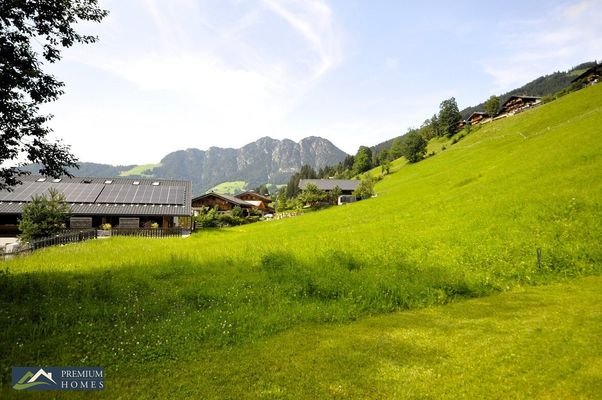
(516, 104)
(513, 105)
(136, 203)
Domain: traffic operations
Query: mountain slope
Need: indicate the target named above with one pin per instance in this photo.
(89, 169)
(543, 86)
(265, 160)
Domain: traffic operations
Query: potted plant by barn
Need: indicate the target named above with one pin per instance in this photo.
(105, 230)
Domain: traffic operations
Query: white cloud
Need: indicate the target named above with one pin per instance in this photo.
(559, 39)
(391, 64)
(230, 84)
(312, 19)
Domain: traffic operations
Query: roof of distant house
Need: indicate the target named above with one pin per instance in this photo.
(330, 184)
(590, 70)
(532, 98)
(254, 194)
(478, 113)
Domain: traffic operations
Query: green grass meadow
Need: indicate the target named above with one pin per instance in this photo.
(139, 170)
(233, 187)
(308, 306)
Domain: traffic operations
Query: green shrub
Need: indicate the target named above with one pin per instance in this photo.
(43, 216)
(229, 219)
(207, 219)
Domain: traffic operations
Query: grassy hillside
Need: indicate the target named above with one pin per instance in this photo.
(464, 223)
(234, 187)
(546, 85)
(140, 170)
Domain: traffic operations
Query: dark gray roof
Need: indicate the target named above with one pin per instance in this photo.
(330, 184)
(226, 197)
(476, 113)
(590, 70)
(105, 196)
(254, 193)
(526, 98)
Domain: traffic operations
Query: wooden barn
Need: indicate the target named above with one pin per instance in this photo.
(247, 201)
(260, 201)
(93, 201)
(222, 202)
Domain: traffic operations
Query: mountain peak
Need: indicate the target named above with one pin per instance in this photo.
(266, 160)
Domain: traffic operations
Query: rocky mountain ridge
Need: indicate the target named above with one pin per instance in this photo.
(266, 160)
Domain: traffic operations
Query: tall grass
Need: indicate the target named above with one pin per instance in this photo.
(465, 223)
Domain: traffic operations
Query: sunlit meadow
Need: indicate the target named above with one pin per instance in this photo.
(466, 222)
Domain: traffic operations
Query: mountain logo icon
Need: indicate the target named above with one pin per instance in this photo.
(29, 379)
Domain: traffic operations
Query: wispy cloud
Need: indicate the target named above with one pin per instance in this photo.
(226, 78)
(187, 62)
(527, 49)
(312, 19)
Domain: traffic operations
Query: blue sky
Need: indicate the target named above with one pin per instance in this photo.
(170, 75)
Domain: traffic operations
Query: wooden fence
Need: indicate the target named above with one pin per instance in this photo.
(147, 232)
(286, 214)
(64, 238)
(74, 236)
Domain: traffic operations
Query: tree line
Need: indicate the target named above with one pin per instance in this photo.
(447, 122)
(291, 196)
(412, 146)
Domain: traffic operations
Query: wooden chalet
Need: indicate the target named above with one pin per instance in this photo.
(222, 202)
(247, 201)
(590, 76)
(93, 201)
(460, 125)
(516, 104)
(260, 201)
(347, 186)
(478, 117)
